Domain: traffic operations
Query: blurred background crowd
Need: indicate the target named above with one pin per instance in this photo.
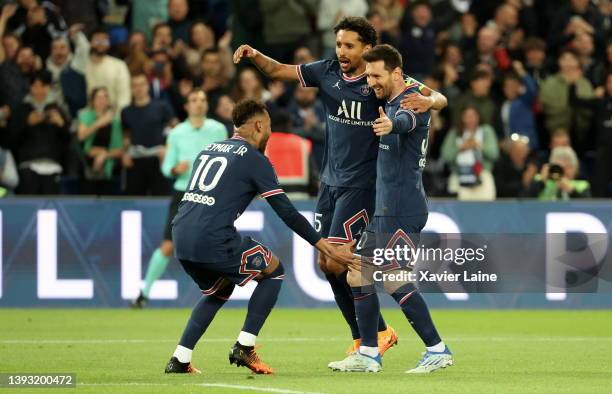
(89, 89)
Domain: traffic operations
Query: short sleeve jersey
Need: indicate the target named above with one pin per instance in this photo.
(401, 160)
(351, 107)
(226, 176)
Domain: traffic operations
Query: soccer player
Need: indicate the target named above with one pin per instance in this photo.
(401, 213)
(226, 177)
(346, 197)
(184, 143)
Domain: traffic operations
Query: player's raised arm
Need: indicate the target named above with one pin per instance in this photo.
(270, 67)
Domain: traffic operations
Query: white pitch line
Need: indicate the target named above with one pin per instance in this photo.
(253, 388)
(220, 385)
(295, 339)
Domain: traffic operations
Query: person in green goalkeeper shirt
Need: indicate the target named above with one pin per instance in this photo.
(556, 180)
(184, 143)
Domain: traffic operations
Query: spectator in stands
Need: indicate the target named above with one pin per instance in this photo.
(88, 13)
(137, 59)
(559, 137)
(517, 116)
(286, 26)
(178, 21)
(160, 75)
(215, 74)
(10, 44)
(418, 40)
(470, 149)
(40, 138)
(202, 43)
(378, 22)
(37, 23)
(223, 113)
(303, 55)
(62, 58)
(102, 138)
(554, 95)
(145, 122)
(392, 13)
(308, 119)
(9, 178)
(536, 63)
(107, 71)
(453, 70)
(506, 22)
(601, 105)
(162, 40)
(489, 52)
(592, 68)
(201, 38)
(15, 69)
(250, 87)
(329, 14)
(556, 180)
(479, 96)
(579, 16)
(514, 171)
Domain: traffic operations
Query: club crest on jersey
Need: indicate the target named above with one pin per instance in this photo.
(365, 90)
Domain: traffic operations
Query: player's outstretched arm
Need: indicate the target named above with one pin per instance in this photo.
(270, 67)
(298, 223)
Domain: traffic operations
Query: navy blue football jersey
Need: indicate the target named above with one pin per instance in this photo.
(401, 160)
(351, 107)
(226, 176)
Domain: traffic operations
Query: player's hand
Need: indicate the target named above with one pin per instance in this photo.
(417, 103)
(382, 125)
(342, 254)
(181, 168)
(244, 51)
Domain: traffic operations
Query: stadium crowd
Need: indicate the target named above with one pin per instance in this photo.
(90, 89)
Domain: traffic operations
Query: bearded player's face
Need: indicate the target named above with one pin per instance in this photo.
(349, 50)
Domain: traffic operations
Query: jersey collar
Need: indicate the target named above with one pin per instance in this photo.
(353, 79)
(237, 137)
(399, 94)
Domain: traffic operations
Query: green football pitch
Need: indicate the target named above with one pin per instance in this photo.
(125, 351)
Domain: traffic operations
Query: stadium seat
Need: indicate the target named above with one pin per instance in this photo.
(289, 154)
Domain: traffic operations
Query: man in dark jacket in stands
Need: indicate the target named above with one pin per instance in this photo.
(40, 136)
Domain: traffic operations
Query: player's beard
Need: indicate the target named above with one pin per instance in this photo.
(262, 144)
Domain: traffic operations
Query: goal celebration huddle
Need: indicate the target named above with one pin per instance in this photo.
(377, 123)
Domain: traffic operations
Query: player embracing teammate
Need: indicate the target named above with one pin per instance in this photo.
(347, 195)
(401, 214)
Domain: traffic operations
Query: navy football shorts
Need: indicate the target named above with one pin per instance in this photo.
(388, 232)
(343, 213)
(251, 259)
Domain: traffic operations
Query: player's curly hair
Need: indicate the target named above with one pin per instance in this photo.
(361, 26)
(245, 110)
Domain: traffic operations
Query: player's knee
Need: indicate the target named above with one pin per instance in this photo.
(276, 273)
